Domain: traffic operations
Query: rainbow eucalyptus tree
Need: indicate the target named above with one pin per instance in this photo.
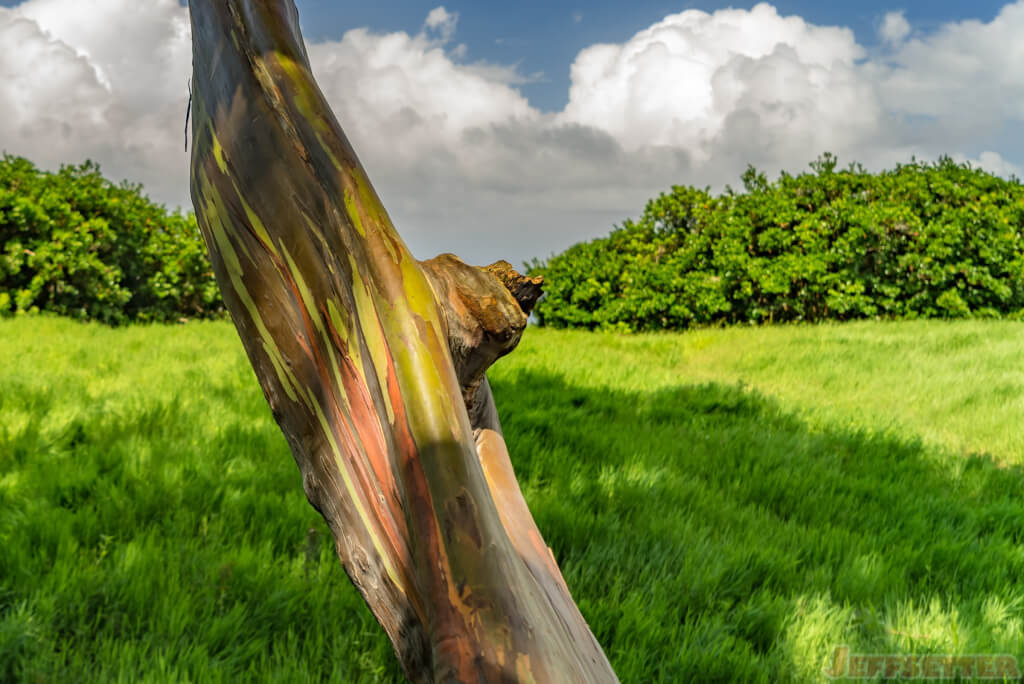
(374, 365)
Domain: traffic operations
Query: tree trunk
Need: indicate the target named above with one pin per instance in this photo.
(373, 365)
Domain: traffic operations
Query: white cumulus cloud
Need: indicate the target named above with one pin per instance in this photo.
(730, 87)
(465, 163)
(444, 22)
(894, 28)
(106, 80)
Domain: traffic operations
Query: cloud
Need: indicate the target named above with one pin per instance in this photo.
(708, 83)
(443, 22)
(466, 164)
(894, 28)
(964, 79)
(993, 162)
(463, 161)
(105, 80)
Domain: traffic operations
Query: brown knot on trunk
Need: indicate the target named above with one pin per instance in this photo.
(485, 310)
(524, 289)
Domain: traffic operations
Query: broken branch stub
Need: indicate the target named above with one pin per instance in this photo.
(485, 313)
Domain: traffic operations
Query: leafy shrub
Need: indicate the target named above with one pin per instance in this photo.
(922, 240)
(75, 244)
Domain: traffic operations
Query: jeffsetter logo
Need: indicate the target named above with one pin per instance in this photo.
(872, 665)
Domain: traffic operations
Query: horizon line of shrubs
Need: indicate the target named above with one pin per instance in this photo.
(75, 244)
(938, 240)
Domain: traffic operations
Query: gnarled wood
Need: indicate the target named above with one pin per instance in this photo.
(485, 312)
(373, 365)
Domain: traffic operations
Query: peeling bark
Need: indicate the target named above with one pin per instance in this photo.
(374, 367)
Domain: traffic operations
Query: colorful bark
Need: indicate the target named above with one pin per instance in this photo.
(352, 341)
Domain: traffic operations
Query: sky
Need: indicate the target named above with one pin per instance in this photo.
(513, 130)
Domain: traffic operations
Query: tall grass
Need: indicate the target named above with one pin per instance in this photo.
(724, 504)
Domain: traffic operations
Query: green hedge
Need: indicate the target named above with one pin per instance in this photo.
(75, 244)
(922, 240)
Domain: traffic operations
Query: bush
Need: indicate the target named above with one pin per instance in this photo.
(75, 244)
(922, 240)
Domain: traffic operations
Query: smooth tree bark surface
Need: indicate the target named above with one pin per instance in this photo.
(374, 367)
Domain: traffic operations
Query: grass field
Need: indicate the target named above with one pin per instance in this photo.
(725, 504)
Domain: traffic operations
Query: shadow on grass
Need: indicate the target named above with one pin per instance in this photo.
(708, 533)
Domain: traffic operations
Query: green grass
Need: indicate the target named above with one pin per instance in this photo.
(725, 505)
